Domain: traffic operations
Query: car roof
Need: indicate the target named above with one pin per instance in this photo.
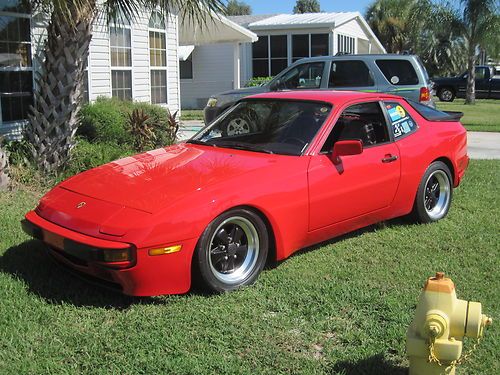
(361, 56)
(329, 96)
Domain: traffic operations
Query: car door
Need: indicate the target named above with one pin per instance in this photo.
(358, 184)
(482, 82)
(305, 76)
(351, 75)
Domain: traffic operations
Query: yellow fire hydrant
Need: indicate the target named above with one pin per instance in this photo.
(434, 338)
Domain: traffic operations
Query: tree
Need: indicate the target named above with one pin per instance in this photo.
(422, 27)
(479, 22)
(237, 8)
(306, 6)
(54, 118)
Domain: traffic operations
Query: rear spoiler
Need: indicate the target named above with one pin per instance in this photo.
(453, 115)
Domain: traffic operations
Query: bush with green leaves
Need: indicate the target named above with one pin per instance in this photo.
(159, 119)
(87, 155)
(105, 120)
(258, 81)
(108, 120)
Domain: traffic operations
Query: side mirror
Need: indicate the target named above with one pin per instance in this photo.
(275, 85)
(344, 148)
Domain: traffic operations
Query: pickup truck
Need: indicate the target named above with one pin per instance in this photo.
(487, 85)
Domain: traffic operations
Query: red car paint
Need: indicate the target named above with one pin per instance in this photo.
(168, 196)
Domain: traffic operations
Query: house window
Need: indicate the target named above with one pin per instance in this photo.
(186, 68)
(158, 58)
(85, 82)
(346, 44)
(319, 45)
(121, 60)
(269, 55)
(309, 45)
(85, 86)
(279, 60)
(260, 57)
(16, 73)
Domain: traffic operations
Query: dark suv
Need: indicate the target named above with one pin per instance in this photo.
(402, 75)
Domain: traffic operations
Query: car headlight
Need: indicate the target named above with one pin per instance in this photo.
(212, 102)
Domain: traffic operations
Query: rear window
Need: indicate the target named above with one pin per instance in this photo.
(398, 72)
(352, 73)
(431, 114)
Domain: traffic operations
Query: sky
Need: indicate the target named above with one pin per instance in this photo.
(286, 6)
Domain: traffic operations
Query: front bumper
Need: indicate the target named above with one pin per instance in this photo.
(145, 275)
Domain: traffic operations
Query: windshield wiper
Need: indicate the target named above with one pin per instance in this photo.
(243, 146)
(198, 142)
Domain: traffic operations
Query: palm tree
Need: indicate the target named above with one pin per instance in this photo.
(54, 118)
(390, 21)
(479, 22)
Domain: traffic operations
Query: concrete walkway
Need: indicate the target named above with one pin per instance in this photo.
(481, 145)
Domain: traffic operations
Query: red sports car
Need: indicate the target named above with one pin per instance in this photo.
(275, 173)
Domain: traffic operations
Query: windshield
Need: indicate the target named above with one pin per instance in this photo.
(283, 127)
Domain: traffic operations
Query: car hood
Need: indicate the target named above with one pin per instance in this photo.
(245, 91)
(151, 181)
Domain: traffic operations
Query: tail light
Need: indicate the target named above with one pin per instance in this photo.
(425, 94)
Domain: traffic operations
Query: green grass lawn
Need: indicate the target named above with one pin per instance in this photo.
(340, 308)
(191, 114)
(483, 116)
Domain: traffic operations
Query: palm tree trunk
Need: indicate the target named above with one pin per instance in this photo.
(4, 177)
(53, 121)
(470, 97)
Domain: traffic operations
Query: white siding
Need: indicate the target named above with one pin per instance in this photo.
(99, 60)
(213, 72)
(173, 63)
(141, 90)
(351, 28)
(100, 63)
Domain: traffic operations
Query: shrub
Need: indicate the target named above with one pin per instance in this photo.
(258, 81)
(106, 121)
(87, 155)
(141, 129)
(159, 118)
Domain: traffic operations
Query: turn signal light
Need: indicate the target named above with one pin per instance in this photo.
(425, 94)
(165, 250)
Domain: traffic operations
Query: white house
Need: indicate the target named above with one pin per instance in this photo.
(136, 59)
(283, 39)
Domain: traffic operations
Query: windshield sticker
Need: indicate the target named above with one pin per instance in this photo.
(401, 121)
(401, 111)
(395, 116)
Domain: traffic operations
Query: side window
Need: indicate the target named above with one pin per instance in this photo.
(305, 76)
(352, 73)
(401, 121)
(480, 73)
(398, 72)
(365, 122)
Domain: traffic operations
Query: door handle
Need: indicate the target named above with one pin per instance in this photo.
(389, 158)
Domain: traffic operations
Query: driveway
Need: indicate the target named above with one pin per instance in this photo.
(481, 145)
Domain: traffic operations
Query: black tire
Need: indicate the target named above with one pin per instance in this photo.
(242, 123)
(446, 94)
(232, 251)
(434, 194)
